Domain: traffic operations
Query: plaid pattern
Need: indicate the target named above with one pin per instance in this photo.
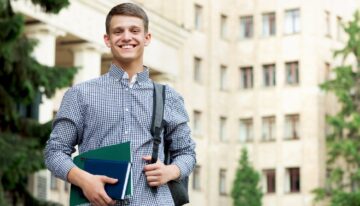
(106, 111)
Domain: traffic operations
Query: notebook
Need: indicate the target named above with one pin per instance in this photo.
(119, 170)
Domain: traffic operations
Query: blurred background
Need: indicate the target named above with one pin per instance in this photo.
(250, 73)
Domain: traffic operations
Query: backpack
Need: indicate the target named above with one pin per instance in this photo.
(178, 188)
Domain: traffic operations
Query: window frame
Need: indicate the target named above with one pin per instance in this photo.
(269, 24)
(246, 77)
(293, 20)
(246, 27)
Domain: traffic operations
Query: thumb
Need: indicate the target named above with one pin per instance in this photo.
(147, 158)
(109, 180)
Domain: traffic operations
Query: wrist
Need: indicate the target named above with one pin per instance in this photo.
(174, 172)
(78, 177)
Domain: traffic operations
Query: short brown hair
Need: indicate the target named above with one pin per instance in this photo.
(127, 9)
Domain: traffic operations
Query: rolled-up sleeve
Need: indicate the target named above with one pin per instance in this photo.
(182, 147)
(66, 132)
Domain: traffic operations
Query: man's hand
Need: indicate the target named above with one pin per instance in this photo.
(158, 174)
(92, 186)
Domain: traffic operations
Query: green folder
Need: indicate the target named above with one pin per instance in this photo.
(118, 152)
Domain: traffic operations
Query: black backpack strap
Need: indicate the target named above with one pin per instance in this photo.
(157, 118)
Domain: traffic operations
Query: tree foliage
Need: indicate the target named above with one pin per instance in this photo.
(23, 80)
(343, 144)
(246, 190)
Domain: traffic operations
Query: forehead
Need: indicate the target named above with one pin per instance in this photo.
(126, 21)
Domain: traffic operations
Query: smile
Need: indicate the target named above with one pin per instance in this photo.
(127, 46)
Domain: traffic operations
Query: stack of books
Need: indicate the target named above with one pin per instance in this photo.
(113, 161)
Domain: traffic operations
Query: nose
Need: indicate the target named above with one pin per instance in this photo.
(127, 36)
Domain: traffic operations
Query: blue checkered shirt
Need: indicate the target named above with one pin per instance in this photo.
(106, 111)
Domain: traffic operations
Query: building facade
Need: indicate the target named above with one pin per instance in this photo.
(249, 72)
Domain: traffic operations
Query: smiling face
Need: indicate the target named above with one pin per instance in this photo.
(127, 39)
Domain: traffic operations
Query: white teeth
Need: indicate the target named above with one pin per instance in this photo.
(127, 46)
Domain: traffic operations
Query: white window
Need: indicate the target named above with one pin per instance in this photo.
(53, 182)
(327, 24)
(339, 29)
(269, 75)
(197, 69)
(292, 73)
(222, 182)
(197, 122)
(268, 24)
(292, 123)
(292, 21)
(246, 27)
(198, 17)
(268, 128)
(223, 77)
(196, 178)
(222, 129)
(246, 77)
(246, 130)
(223, 26)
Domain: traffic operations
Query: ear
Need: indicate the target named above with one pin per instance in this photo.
(147, 38)
(107, 40)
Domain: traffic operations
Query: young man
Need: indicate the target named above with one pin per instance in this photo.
(118, 107)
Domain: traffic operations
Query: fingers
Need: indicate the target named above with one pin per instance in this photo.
(100, 199)
(147, 158)
(109, 180)
(151, 167)
(95, 191)
(153, 173)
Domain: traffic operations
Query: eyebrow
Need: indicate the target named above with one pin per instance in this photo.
(130, 27)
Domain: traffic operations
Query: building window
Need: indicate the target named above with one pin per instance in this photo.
(270, 181)
(268, 128)
(197, 122)
(292, 124)
(269, 75)
(339, 29)
(292, 73)
(198, 17)
(222, 129)
(269, 24)
(223, 26)
(53, 182)
(246, 27)
(327, 24)
(222, 182)
(66, 186)
(197, 69)
(327, 71)
(292, 180)
(223, 77)
(246, 77)
(292, 21)
(196, 178)
(246, 130)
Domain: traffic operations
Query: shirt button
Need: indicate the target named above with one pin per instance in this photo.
(126, 132)
(127, 89)
(127, 109)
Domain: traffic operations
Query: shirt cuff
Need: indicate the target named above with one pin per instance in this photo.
(64, 169)
(183, 167)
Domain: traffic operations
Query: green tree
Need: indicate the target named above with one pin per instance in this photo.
(23, 81)
(343, 144)
(246, 190)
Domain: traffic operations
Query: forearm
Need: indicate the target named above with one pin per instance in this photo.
(173, 171)
(78, 176)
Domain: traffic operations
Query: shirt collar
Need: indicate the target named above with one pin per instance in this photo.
(118, 73)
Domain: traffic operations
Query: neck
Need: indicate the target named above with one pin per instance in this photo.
(130, 68)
